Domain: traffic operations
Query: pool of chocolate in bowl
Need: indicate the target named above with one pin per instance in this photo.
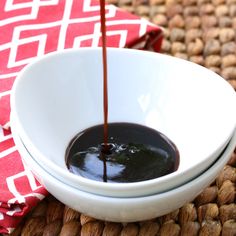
(134, 153)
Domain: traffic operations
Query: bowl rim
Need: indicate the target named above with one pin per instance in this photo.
(88, 183)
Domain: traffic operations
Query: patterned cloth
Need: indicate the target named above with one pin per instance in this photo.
(31, 28)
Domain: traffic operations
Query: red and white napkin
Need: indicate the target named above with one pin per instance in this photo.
(31, 28)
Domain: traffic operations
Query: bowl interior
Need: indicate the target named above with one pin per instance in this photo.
(55, 98)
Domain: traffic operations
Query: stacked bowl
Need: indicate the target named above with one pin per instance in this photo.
(61, 94)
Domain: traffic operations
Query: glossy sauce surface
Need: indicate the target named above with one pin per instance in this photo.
(135, 153)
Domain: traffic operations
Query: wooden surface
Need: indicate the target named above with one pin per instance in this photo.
(202, 31)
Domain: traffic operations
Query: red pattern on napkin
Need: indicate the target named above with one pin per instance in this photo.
(19, 190)
(31, 28)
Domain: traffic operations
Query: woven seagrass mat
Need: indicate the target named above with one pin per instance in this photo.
(202, 31)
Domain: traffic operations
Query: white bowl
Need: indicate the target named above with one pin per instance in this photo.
(60, 95)
(124, 209)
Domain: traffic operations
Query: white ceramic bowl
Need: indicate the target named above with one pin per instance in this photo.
(125, 209)
(60, 95)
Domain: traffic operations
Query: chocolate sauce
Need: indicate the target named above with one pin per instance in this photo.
(135, 153)
(104, 62)
(128, 153)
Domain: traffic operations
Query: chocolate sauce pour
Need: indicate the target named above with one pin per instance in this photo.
(129, 153)
(105, 89)
(105, 84)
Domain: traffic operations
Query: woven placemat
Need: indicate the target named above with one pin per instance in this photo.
(202, 31)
